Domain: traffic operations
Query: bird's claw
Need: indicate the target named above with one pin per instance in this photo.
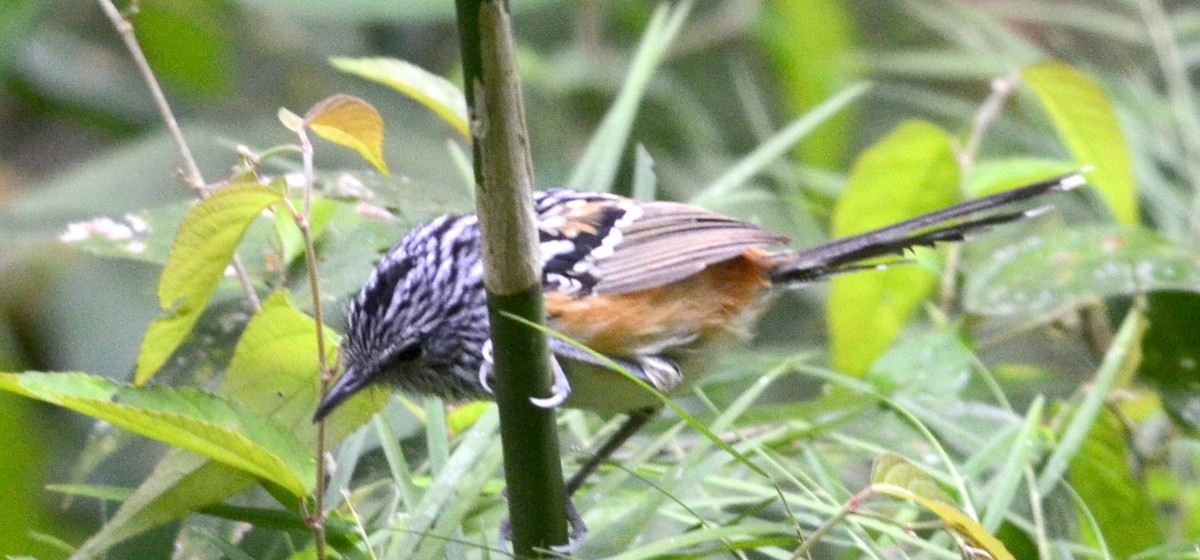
(485, 369)
(559, 390)
(577, 531)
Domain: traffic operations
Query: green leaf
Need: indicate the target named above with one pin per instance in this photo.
(999, 175)
(1086, 121)
(180, 485)
(202, 249)
(200, 422)
(351, 122)
(434, 92)
(909, 172)
(1047, 272)
(895, 470)
(954, 519)
(1117, 498)
(274, 373)
(1171, 355)
(810, 44)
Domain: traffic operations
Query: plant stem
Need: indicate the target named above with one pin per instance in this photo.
(317, 517)
(192, 176)
(512, 275)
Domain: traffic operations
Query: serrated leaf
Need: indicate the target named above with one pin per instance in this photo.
(1046, 272)
(351, 122)
(190, 419)
(202, 249)
(955, 520)
(1086, 121)
(434, 92)
(911, 171)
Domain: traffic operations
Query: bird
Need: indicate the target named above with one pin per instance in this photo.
(658, 288)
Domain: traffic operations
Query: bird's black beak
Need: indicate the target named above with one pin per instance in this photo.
(345, 387)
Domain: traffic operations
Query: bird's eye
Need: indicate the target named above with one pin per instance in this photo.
(408, 352)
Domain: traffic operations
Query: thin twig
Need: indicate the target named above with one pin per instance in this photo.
(316, 519)
(987, 114)
(192, 176)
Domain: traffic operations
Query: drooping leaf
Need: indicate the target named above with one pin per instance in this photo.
(202, 249)
(1086, 121)
(955, 521)
(190, 419)
(1045, 272)
(351, 122)
(434, 92)
(911, 171)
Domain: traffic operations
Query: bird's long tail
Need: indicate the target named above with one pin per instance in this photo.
(954, 223)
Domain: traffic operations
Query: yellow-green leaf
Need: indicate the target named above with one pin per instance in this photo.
(190, 419)
(909, 172)
(202, 249)
(351, 122)
(955, 520)
(274, 372)
(1087, 123)
(893, 469)
(434, 92)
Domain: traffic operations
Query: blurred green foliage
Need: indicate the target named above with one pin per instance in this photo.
(81, 139)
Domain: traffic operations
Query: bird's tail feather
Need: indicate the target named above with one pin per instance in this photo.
(949, 224)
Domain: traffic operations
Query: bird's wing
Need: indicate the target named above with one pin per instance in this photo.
(603, 244)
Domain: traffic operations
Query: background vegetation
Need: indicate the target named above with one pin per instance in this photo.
(1036, 393)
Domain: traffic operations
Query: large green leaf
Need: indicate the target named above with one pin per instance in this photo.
(1046, 272)
(1086, 122)
(202, 249)
(909, 172)
(203, 423)
(273, 372)
(1104, 477)
(181, 484)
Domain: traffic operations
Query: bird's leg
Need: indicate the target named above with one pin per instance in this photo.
(636, 420)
